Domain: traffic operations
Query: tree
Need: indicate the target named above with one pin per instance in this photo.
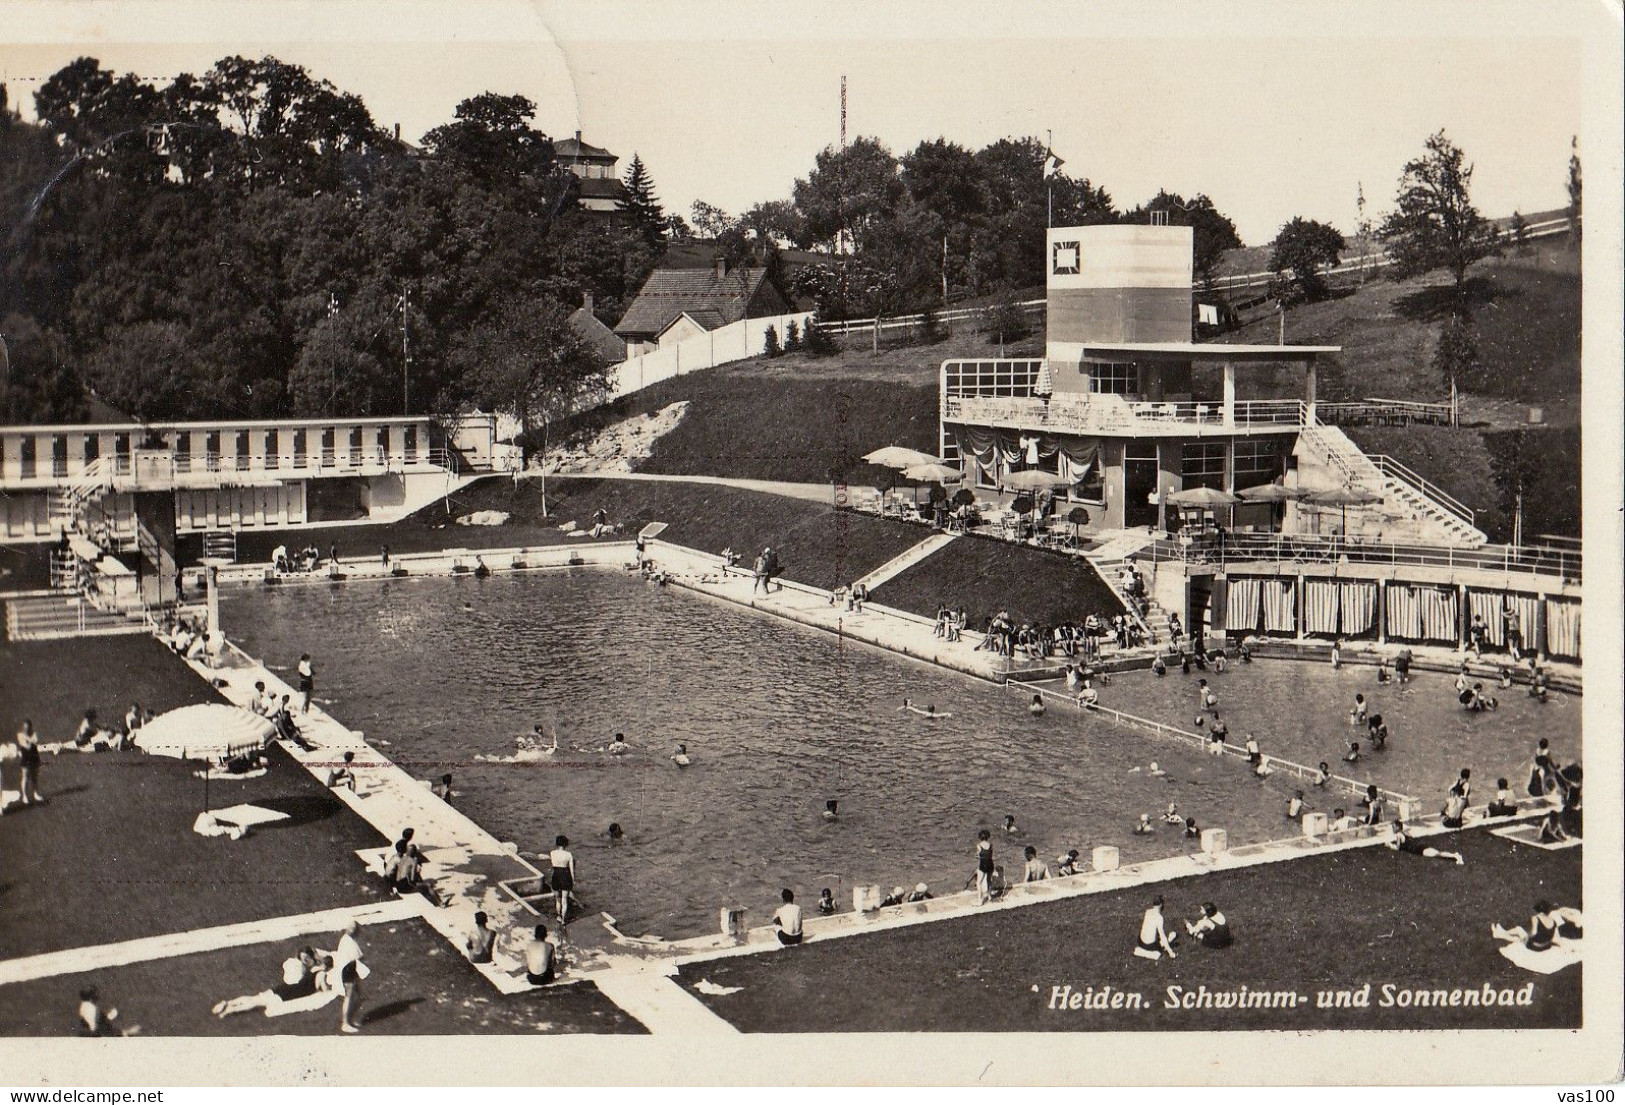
(848, 193)
(677, 228)
(525, 360)
(1574, 191)
(493, 136)
(710, 221)
(1457, 353)
(770, 343)
(641, 205)
(792, 337)
(815, 340)
(1212, 231)
(1435, 225)
(1302, 248)
(1519, 231)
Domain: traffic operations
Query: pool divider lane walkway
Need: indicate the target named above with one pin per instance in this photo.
(906, 559)
(100, 957)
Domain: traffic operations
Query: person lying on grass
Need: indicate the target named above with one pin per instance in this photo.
(303, 975)
(1401, 841)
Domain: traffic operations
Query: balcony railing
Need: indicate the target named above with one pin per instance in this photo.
(220, 467)
(1112, 414)
(1565, 564)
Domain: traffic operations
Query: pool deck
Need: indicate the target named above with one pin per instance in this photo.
(471, 870)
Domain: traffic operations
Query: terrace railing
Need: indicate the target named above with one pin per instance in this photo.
(1113, 414)
(1565, 564)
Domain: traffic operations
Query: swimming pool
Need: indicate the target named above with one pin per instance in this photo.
(1299, 710)
(777, 718)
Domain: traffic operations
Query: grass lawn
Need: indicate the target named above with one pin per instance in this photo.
(419, 986)
(818, 545)
(111, 855)
(986, 575)
(1331, 922)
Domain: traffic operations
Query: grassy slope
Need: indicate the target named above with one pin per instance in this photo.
(985, 575)
(817, 544)
(1456, 459)
(1334, 921)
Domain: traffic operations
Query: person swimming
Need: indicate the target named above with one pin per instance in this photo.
(1010, 823)
(1323, 774)
(1357, 715)
(617, 746)
(1173, 816)
(1036, 706)
(1143, 827)
(680, 757)
(923, 711)
(1158, 667)
(1353, 756)
(1155, 770)
(615, 832)
(829, 809)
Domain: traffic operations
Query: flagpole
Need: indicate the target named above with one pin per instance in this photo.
(1049, 177)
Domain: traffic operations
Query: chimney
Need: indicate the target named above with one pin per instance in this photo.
(397, 132)
(722, 267)
(586, 302)
(578, 138)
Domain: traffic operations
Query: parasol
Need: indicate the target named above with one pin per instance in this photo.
(204, 732)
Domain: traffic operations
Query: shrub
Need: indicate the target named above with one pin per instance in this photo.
(770, 344)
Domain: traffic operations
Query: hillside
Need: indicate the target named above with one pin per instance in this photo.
(806, 419)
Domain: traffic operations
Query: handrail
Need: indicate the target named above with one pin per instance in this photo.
(1388, 466)
(1319, 549)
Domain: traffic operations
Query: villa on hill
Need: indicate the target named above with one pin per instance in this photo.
(675, 304)
(599, 189)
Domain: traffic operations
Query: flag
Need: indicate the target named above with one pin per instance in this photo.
(1052, 164)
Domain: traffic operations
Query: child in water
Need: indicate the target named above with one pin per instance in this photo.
(1036, 706)
(1144, 826)
(680, 757)
(826, 902)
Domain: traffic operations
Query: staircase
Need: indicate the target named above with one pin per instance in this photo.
(1109, 558)
(905, 560)
(1445, 518)
(220, 545)
(66, 506)
(62, 616)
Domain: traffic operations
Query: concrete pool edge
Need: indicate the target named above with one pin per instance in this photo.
(654, 962)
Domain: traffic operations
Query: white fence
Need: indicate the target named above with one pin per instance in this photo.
(734, 342)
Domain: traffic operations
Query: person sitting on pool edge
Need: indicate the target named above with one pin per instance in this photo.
(920, 893)
(1505, 805)
(787, 919)
(1034, 869)
(540, 959)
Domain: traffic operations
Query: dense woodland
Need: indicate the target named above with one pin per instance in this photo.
(251, 242)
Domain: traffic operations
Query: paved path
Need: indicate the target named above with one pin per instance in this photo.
(906, 559)
(102, 956)
(811, 492)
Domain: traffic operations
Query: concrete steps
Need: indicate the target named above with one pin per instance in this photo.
(905, 560)
(56, 617)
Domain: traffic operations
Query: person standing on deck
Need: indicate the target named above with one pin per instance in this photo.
(307, 681)
(347, 963)
(563, 876)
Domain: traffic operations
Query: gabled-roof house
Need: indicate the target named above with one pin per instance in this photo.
(679, 303)
(595, 335)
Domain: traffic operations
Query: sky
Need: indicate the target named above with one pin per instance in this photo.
(1273, 111)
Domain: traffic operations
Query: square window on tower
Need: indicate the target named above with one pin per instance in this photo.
(1065, 260)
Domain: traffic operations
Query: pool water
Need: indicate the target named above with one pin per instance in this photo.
(1299, 710)
(777, 718)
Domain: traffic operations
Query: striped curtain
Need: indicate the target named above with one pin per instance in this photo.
(1320, 606)
(1487, 605)
(1404, 612)
(1563, 628)
(1280, 616)
(1440, 614)
(1242, 609)
(1359, 608)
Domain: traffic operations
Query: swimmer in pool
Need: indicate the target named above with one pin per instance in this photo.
(1010, 823)
(1323, 774)
(1157, 771)
(615, 833)
(923, 711)
(1036, 706)
(680, 757)
(829, 810)
(1173, 817)
(1353, 756)
(1144, 826)
(1158, 667)
(618, 746)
